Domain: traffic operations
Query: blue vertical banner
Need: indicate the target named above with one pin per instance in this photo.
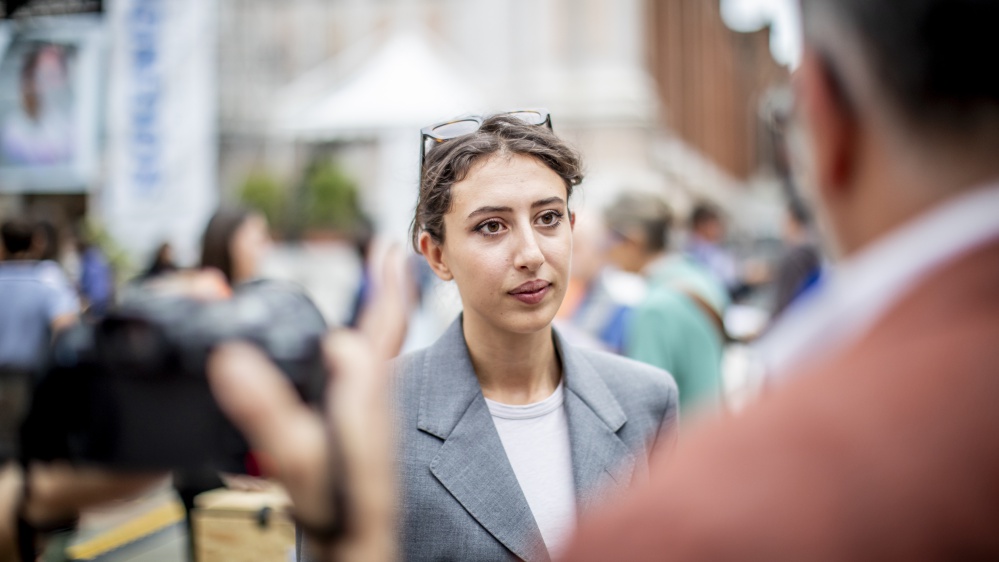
(145, 27)
(162, 124)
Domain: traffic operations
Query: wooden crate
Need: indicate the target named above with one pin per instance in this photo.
(238, 526)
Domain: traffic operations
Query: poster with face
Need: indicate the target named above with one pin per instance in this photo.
(48, 113)
(36, 127)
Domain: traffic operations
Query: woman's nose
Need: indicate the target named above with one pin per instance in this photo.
(529, 256)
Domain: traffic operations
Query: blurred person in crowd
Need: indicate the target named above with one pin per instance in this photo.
(40, 130)
(234, 243)
(598, 303)
(362, 236)
(800, 266)
(45, 244)
(36, 300)
(678, 324)
(877, 440)
(96, 280)
(162, 262)
(45, 251)
(506, 430)
(706, 246)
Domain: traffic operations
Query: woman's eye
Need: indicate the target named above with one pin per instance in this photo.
(491, 227)
(550, 218)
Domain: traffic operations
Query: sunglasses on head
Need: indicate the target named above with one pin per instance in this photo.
(442, 132)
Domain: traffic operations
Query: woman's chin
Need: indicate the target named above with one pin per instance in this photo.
(518, 318)
(528, 321)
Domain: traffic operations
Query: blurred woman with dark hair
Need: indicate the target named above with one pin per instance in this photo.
(234, 243)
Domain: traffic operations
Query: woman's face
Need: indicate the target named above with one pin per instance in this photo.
(249, 243)
(507, 243)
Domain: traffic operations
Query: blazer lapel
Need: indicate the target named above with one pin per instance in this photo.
(472, 464)
(599, 457)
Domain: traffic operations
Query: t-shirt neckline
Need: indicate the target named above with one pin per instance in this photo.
(528, 411)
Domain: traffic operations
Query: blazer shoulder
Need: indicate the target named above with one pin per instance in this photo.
(617, 371)
(637, 386)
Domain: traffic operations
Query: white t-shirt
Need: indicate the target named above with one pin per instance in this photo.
(536, 440)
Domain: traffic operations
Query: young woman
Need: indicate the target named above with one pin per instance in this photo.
(506, 431)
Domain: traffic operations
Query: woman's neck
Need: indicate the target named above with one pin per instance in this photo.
(512, 368)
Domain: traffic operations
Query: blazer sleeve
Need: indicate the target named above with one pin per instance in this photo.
(669, 428)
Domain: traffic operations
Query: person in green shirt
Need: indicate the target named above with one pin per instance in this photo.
(677, 326)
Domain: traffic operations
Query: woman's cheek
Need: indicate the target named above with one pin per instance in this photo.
(560, 254)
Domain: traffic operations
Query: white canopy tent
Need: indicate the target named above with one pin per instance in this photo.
(405, 84)
(381, 92)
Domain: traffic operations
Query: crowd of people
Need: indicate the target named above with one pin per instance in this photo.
(512, 438)
(38, 296)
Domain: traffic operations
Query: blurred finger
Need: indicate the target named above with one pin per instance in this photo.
(384, 320)
(358, 403)
(359, 380)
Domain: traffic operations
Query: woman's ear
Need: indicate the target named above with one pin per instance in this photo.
(434, 254)
(572, 219)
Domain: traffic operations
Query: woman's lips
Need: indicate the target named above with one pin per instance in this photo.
(531, 292)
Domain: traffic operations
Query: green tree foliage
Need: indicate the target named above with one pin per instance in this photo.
(329, 198)
(263, 193)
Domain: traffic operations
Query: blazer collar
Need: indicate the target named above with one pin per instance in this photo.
(448, 383)
(583, 380)
(472, 463)
(599, 456)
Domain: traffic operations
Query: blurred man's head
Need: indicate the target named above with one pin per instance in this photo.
(17, 235)
(706, 223)
(639, 225)
(900, 104)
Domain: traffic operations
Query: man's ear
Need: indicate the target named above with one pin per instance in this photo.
(434, 254)
(830, 120)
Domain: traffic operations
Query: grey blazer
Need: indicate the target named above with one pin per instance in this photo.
(460, 497)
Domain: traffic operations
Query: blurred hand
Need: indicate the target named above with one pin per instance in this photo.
(295, 441)
(59, 491)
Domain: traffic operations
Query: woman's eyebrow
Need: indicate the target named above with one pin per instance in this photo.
(546, 202)
(489, 211)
